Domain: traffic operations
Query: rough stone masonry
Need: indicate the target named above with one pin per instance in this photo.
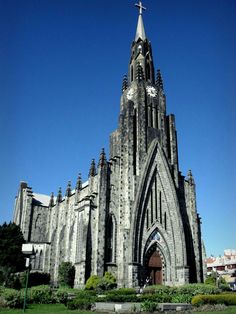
(136, 215)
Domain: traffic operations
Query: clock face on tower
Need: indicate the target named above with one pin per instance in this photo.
(151, 91)
(130, 93)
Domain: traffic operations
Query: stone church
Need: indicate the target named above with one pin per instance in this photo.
(136, 215)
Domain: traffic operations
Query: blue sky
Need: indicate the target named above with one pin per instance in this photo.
(61, 69)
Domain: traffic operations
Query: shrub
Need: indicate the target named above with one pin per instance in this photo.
(80, 304)
(66, 274)
(92, 283)
(122, 291)
(122, 298)
(224, 287)
(85, 294)
(181, 298)
(177, 294)
(107, 282)
(149, 306)
(195, 289)
(11, 298)
(121, 295)
(156, 289)
(13, 281)
(61, 296)
(210, 281)
(227, 299)
(163, 297)
(41, 295)
(3, 303)
(83, 301)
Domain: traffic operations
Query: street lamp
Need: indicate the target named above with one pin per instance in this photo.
(28, 251)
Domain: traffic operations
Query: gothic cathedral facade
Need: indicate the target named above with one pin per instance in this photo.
(136, 215)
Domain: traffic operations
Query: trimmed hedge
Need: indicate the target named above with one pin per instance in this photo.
(179, 294)
(159, 294)
(80, 304)
(122, 295)
(156, 289)
(122, 298)
(121, 291)
(158, 298)
(227, 299)
(83, 301)
(191, 289)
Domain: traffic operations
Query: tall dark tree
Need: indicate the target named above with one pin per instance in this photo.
(66, 274)
(11, 257)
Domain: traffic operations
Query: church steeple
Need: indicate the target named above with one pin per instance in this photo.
(141, 53)
(140, 32)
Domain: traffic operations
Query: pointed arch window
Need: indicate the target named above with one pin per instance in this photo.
(154, 236)
(160, 206)
(111, 239)
(147, 219)
(152, 213)
(148, 69)
(131, 73)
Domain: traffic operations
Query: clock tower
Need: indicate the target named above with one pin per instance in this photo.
(150, 201)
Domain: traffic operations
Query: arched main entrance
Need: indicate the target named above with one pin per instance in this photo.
(154, 268)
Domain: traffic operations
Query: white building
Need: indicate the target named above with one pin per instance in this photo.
(224, 265)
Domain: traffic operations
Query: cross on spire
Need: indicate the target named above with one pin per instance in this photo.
(140, 6)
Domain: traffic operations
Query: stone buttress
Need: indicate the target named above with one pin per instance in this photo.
(136, 216)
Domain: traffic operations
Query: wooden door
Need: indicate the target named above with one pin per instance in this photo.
(155, 269)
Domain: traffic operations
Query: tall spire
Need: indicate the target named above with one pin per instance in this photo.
(102, 159)
(140, 32)
(190, 178)
(51, 202)
(59, 196)
(92, 170)
(68, 190)
(124, 83)
(159, 81)
(79, 183)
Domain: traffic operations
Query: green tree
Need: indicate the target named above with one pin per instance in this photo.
(66, 274)
(11, 257)
(211, 279)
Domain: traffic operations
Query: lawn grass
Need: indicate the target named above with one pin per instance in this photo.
(43, 309)
(229, 310)
(61, 309)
